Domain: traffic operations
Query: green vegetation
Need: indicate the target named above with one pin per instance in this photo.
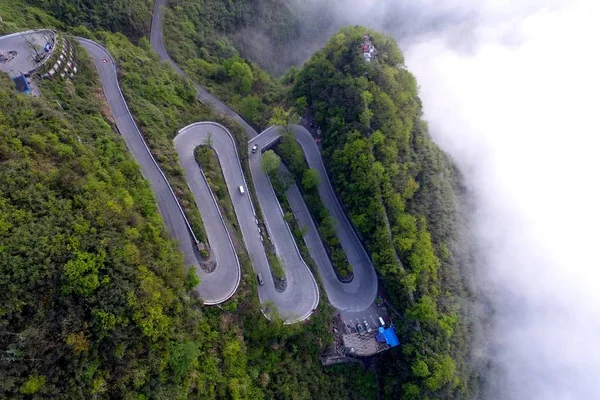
(15, 16)
(277, 266)
(196, 35)
(400, 193)
(270, 162)
(308, 180)
(95, 301)
(94, 291)
(131, 17)
(207, 160)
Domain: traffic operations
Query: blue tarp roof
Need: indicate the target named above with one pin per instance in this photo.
(22, 85)
(390, 337)
(380, 338)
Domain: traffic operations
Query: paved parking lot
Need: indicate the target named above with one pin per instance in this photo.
(371, 315)
(364, 344)
(20, 51)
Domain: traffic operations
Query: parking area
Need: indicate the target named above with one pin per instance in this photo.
(23, 53)
(369, 319)
(356, 332)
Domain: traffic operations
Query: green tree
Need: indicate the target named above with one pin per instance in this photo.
(311, 179)
(241, 75)
(184, 358)
(443, 371)
(293, 155)
(33, 384)
(281, 117)
(301, 104)
(192, 279)
(81, 273)
(420, 369)
(269, 162)
(248, 107)
(411, 391)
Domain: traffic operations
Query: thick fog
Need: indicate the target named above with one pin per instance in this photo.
(518, 111)
(511, 91)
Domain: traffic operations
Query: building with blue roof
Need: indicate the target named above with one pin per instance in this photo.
(390, 337)
(22, 84)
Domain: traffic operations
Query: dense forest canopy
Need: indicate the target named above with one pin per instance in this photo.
(400, 191)
(131, 17)
(94, 292)
(98, 302)
(199, 36)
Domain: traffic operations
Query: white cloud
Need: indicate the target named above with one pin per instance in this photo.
(519, 114)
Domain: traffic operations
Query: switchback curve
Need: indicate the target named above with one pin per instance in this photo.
(217, 286)
(354, 296)
(301, 295)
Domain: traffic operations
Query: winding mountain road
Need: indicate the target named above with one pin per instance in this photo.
(219, 285)
(353, 297)
(356, 295)
(301, 296)
(158, 44)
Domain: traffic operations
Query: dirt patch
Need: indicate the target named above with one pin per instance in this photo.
(208, 266)
(280, 284)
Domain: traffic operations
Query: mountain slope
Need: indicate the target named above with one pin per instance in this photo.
(401, 194)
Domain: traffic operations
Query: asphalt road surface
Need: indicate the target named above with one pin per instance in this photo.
(301, 295)
(351, 298)
(359, 294)
(23, 44)
(215, 287)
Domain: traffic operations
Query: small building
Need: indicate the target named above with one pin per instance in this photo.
(390, 337)
(22, 84)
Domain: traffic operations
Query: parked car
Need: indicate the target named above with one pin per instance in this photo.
(381, 321)
(367, 325)
(260, 279)
(254, 148)
(360, 329)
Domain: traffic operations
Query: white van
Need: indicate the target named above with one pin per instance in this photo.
(241, 189)
(381, 321)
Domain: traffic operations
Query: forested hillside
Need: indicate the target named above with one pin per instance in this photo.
(200, 38)
(96, 300)
(94, 291)
(131, 17)
(401, 194)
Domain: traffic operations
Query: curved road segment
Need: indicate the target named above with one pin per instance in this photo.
(301, 295)
(356, 295)
(217, 286)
